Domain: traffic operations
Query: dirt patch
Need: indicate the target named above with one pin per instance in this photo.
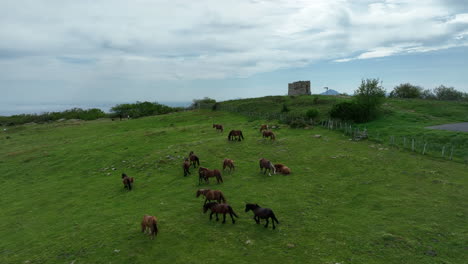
(463, 127)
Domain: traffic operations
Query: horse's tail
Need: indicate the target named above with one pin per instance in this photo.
(242, 136)
(198, 161)
(274, 217)
(221, 197)
(273, 136)
(232, 211)
(155, 228)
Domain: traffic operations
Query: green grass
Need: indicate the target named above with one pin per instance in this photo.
(345, 202)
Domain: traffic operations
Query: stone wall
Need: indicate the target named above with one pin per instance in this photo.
(299, 88)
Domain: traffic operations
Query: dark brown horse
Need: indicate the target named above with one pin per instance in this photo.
(262, 213)
(269, 134)
(263, 127)
(280, 168)
(218, 127)
(235, 135)
(217, 208)
(205, 174)
(150, 223)
(228, 163)
(186, 167)
(194, 159)
(127, 181)
(267, 165)
(212, 195)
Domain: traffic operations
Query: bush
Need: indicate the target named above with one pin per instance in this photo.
(406, 90)
(448, 93)
(298, 123)
(199, 103)
(428, 94)
(140, 109)
(312, 113)
(369, 96)
(350, 111)
(285, 109)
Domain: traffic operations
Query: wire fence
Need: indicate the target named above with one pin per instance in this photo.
(448, 151)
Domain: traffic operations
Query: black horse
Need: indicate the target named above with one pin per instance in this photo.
(262, 213)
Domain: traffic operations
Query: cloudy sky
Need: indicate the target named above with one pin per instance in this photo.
(90, 51)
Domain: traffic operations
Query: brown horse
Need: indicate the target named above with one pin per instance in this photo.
(150, 223)
(127, 181)
(205, 174)
(281, 168)
(212, 195)
(235, 135)
(186, 167)
(269, 134)
(194, 159)
(267, 165)
(217, 208)
(218, 127)
(228, 163)
(263, 127)
(262, 213)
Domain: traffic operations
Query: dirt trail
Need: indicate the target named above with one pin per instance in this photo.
(463, 127)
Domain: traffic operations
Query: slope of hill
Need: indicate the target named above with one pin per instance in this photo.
(345, 202)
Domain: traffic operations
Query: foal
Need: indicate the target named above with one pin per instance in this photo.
(194, 159)
(218, 127)
(186, 167)
(267, 165)
(127, 181)
(282, 169)
(228, 163)
(205, 174)
(212, 195)
(150, 223)
(262, 213)
(269, 134)
(221, 209)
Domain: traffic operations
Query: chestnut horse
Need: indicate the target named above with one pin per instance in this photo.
(194, 159)
(269, 134)
(228, 163)
(282, 169)
(186, 167)
(267, 165)
(262, 213)
(235, 134)
(127, 181)
(218, 127)
(263, 127)
(205, 174)
(217, 208)
(211, 195)
(150, 223)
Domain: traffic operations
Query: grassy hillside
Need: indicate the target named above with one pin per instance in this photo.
(400, 118)
(345, 202)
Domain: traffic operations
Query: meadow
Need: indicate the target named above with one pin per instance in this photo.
(345, 202)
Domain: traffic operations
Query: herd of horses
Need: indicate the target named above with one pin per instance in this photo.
(215, 200)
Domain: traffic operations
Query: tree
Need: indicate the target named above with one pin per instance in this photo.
(406, 90)
(197, 103)
(447, 93)
(428, 94)
(370, 96)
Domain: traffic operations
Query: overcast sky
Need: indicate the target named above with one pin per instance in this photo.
(85, 51)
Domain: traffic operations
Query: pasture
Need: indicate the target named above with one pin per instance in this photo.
(62, 199)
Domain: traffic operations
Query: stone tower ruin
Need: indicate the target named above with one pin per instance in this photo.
(299, 88)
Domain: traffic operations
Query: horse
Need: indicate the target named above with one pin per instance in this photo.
(218, 127)
(263, 127)
(194, 159)
(235, 133)
(228, 163)
(269, 134)
(212, 195)
(150, 223)
(127, 181)
(217, 208)
(205, 174)
(186, 167)
(262, 213)
(267, 165)
(281, 168)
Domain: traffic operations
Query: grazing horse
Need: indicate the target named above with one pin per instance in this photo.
(235, 135)
(186, 167)
(218, 127)
(212, 195)
(194, 159)
(217, 208)
(127, 181)
(262, 213)
(281, 168)
(205, 174)
(267, 165)
(228, 163)
(263, 127)
(269, 134)
(150, 223)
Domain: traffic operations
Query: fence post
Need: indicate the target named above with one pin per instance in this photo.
(451, 153)
(443, 151)
(412, 144)
(424, 150)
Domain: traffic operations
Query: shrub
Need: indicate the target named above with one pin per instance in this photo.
(298, 123)
(448, 93)
(285, 109)
(406, 90)
(140, 109)
(312, 113)
(198, 103)
(350, 111)
(427, 94)
(370, 96)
